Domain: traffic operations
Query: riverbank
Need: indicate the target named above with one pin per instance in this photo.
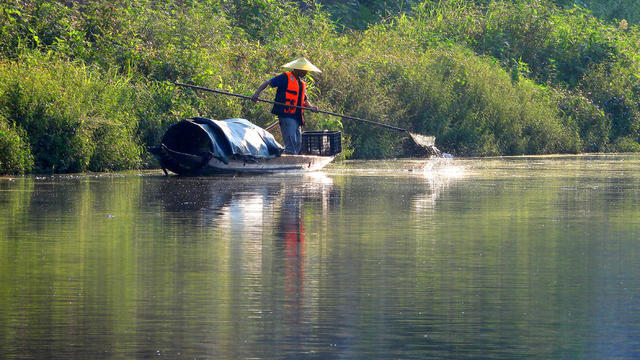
(89, 87)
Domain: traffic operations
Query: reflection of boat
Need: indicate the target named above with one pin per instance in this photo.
(200, 146)
(243, 202)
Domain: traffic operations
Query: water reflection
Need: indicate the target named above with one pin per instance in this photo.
(264, 220)
(439, 174)
(495, 258)
(290, 248)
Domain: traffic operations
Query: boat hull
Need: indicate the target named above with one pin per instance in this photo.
(283, 163)
(191, 164)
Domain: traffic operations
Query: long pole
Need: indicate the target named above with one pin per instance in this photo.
(294, 106)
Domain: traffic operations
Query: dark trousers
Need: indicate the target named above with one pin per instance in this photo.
(291, 134)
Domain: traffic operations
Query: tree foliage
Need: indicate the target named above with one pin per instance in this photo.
(88, 85)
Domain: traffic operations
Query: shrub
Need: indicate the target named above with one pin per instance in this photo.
(58, 142)
(15, 155)
(475, 108)
(626, 144)
(616, 90)
(592, 123)
(67, 110)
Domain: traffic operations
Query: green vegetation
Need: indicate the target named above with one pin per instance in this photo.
(88, 85)
(76, 118)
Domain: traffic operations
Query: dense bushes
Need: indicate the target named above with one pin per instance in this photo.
(88, 85)
(591, 65)
(75, 118)
(15, 155)
(469, 101)
(358, 14)
(487, 113)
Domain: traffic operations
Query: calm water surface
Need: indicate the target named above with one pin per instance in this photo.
(535, 257)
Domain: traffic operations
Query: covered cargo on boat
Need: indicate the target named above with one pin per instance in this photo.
(188, 145)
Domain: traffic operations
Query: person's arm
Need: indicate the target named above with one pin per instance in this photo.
(307, 104)
(263, 86)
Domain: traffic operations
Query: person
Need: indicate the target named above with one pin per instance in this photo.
(290, 90)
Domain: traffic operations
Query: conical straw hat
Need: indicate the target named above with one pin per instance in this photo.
(301, 64)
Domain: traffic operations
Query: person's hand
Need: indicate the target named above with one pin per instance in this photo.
(313, 108)
(254, 98)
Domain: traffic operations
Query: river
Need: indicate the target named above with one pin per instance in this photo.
(499, 258)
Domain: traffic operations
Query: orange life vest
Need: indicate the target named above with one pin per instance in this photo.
(294, 94)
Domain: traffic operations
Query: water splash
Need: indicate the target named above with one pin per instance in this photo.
(443, 168)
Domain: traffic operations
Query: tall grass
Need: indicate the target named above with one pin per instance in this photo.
(15, 154)
(76, 119)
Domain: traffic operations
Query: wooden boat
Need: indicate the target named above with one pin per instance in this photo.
(201, 146)
(194, 164)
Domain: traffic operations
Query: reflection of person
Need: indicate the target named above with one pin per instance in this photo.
(292, 91)
(294, 259)
(291, 229)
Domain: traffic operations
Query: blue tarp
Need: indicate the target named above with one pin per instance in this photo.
(239, 138)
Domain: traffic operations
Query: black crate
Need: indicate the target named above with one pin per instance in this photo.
(324, 143)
